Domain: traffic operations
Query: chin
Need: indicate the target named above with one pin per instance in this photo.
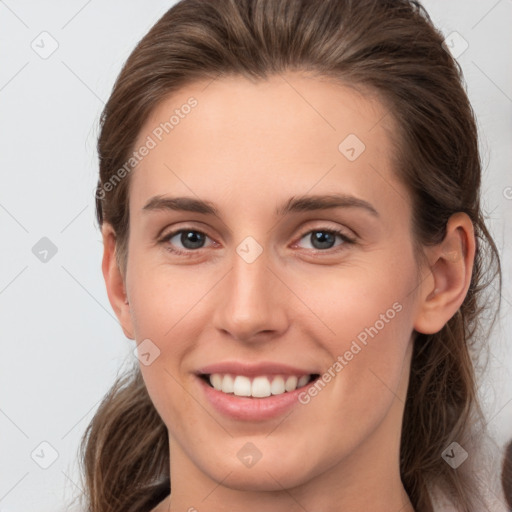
(266, 478)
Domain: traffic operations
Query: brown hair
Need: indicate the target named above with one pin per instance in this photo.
(388, 47)
(506, 475)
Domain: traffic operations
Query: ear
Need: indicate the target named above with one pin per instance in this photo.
(114, 281)
(446, 285)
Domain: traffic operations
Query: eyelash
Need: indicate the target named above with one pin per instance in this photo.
(191, 252)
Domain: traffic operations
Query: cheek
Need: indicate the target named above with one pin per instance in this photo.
(360, 301)
(162, 309)
(367, 322)
(167, 307)
(162, 298)
(370, 345)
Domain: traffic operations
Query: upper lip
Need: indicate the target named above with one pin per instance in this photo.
(252, 369)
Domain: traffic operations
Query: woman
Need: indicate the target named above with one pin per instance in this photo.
(289, 199)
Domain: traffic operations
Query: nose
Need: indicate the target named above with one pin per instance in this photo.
(252, 305)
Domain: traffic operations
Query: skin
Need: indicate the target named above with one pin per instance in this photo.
(248, 147)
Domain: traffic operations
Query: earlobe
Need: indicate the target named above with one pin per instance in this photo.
(445, 289)
(114, 281)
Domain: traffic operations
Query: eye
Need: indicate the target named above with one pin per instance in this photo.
(190, 239)
(322, 239)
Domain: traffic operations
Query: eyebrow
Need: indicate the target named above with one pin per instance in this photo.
(293, 205)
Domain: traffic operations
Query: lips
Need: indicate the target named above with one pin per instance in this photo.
(254, 391)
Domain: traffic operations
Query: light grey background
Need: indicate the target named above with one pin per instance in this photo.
(61, 344)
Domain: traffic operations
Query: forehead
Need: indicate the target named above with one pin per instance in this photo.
(291, 132)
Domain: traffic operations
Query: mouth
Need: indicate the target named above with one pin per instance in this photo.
(260, 386)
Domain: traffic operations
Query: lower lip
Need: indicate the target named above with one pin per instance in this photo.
(252, 409)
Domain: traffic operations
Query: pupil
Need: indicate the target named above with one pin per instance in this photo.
(323, 239)
(191, 239)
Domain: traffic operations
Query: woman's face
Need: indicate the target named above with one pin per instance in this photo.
(266, 286)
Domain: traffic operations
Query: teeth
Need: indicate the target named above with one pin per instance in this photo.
(277, 387)
(291, 383)
(303, 381)
(258, 387)
(227, 384)
(216, 380)
(242, 386)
